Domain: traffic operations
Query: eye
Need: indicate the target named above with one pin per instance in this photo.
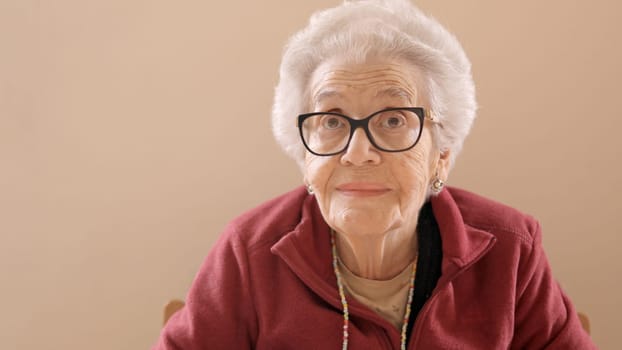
(331, 122)
(392, 121)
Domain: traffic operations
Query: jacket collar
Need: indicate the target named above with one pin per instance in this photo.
(307, 251)
(463, 245)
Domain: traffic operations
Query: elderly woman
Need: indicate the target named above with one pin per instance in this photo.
(375, 252)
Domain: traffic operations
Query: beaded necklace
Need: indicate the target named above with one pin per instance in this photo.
(344, 301)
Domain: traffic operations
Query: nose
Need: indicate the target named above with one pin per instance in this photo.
(360, 151)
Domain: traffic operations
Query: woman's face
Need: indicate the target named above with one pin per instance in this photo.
(364, 191)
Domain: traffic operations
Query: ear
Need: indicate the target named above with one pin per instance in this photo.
(306, 178)
(304, 169)
(444, 164)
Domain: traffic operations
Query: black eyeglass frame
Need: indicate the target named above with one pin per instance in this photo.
(421, 112)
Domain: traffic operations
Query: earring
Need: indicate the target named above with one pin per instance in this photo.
(309, 189)
(437, 184)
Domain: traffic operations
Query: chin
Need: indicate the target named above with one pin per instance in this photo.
(365, 220)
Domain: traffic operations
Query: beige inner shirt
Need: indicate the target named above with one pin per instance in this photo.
(387, 298)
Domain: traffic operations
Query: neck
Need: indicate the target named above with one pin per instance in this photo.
(378, 257)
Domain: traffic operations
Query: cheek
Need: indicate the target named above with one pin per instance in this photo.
(420, 164)
(317, 171)
(416, 167)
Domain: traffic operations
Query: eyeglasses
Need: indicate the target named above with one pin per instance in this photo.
(389, 130)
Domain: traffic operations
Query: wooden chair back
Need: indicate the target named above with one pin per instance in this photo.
(172, 307)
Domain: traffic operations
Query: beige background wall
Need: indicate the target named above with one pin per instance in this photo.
(132, 131)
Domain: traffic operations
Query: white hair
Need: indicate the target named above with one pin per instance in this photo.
(391, 29)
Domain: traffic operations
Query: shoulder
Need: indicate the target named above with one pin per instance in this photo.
(489, 215)
(269, 221)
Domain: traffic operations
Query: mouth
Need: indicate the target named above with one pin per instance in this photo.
(362, 189)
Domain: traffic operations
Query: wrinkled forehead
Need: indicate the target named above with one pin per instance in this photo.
(390, 81)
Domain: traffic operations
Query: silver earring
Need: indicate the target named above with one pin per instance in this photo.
(309, 189)
(437, 184)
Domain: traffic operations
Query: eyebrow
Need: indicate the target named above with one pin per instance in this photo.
(324, 94)
(395, 91)
(392, 91)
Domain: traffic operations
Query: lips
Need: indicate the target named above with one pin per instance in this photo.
(363, 189)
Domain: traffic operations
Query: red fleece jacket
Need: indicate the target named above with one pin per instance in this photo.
(268, 283)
